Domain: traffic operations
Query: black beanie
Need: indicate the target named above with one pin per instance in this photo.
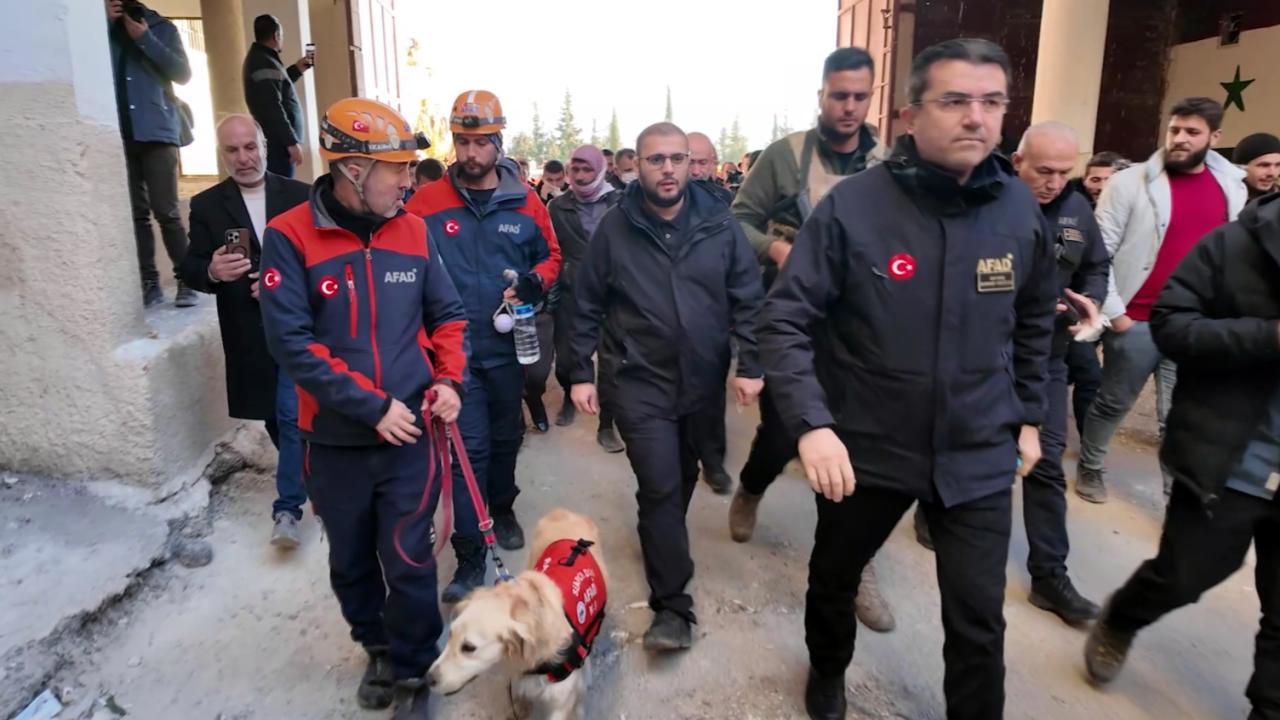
(1254, 147)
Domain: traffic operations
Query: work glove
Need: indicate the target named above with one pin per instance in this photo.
(529, 288)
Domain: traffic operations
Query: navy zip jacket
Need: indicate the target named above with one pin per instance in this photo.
(914, 316)
(667, 318)
(1083, 262)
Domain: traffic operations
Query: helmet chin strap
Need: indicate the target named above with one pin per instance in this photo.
(358, 183)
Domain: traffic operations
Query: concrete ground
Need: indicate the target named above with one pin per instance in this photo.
(257, 634)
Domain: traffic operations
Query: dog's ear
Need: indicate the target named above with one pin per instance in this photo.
(520, 635)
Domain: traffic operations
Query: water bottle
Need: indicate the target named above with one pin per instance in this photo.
(526, 335)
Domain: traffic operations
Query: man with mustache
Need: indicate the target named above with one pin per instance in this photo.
(484, 220)
(1151, 215)
(1259, 155)
(256, 389)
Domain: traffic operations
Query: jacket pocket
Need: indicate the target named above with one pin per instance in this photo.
(353, 305)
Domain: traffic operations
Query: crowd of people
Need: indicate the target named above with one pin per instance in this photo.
(916, 320)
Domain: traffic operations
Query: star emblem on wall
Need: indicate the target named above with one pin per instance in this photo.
(1235, 91)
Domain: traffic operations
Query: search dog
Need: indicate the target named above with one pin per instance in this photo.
(526, 627)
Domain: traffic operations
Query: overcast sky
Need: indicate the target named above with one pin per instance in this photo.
(722, 58)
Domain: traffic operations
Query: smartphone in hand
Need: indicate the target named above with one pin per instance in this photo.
(238, 242)
(311, 54)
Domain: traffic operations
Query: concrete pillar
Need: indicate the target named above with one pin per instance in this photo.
(225, 38)
(295, 19)
(92, 388)
(1073, 36)
(330, 25)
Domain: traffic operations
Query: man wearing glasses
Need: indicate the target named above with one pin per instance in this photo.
(906, 340)
(669, 277)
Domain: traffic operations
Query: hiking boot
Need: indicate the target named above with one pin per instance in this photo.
(923, 536)
(375, 685)
(824, 697)
(1060, 597)
(470, 572)
(608, 439)
(1091, 485)
(669, 631)
(742, 514)
(1105, 651)
(286, 535)
(870, 606)
(719, 481)
(411, 698)
(151, 293)
(538, 414)
(186, 297)
(508, 531)
(567, 412)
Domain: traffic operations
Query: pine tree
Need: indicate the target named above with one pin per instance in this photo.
(567, 135)
(722, 146)
(614, 139)
(668, 115)
(595, 134)
(522, 146)
(735, 143)
(541, 144)
(779, 130)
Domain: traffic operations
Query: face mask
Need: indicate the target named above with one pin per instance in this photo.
(628, 177)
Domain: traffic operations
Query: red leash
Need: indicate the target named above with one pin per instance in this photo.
(439, 436)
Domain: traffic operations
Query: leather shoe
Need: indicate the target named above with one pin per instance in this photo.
(824, 697)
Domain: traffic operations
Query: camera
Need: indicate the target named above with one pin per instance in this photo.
(134, 9)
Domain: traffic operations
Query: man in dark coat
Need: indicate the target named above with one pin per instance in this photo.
(906, 339)
(269, 93)
(1218, 318)
(240, 208)
(669, 277)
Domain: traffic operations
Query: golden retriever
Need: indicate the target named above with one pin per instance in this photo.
(520, 626)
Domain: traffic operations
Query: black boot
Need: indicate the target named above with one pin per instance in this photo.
(608, 439)
(507, 530)
(720, 482)
(824, 697)
(1105, 651)
(669, 631)
(567, 412)
(538, 413)
(1060, 597)
(470, 572)
(412, 699)
(375, 686)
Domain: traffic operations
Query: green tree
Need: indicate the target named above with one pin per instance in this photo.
(522, 146)
(595, 134)
(667, 117)
(733, 144)
(541, 148)
(614, 139)
(567, 136)
(780, 130)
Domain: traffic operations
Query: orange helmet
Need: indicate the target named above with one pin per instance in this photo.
(477, 112)
(357, 127)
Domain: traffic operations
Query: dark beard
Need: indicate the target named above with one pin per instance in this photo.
(465, 174)
(1190, 162)
(657, 200)
(830, 134)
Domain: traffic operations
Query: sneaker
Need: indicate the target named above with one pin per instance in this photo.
(608, 439)
(508, 531)
(1105, 651)
(412, 698)
(742, 514)
(567, 412)
(186, 297)
(151, 293)
(824, 698)
(286, 535)
(870, 606)
(669, 631)
(1060, 597)
(538, 414)
(923, 535)
(375, 686)
(1091, 484)
(470, 572)
(718, 480)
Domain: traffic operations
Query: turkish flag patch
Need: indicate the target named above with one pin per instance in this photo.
(271, 279)
(902, 266)
(451, 227)
(328, 286)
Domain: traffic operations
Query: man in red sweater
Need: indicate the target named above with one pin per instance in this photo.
(1151, 215)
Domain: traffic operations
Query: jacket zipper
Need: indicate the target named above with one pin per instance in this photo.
(351, 299)
(373, 318)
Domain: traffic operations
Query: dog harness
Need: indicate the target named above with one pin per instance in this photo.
(571, 566)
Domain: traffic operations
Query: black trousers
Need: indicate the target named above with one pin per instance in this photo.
(563, 340)
(771, 450)
(1199, 550)
(971, 543)
(278, 160)
(711, 441)
(663, 454)
(1044, 490)
(152, 172)
(1084, 373)
(536, 375)
(360, 493)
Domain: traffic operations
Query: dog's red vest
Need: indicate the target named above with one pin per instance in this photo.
(571, 566)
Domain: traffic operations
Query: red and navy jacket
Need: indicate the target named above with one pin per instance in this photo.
(478, 242)
(356, 325)
(574, 570)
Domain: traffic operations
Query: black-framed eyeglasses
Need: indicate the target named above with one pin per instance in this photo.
(657, 161)
(956, 104)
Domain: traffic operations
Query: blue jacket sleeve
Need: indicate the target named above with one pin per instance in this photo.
(163, 47)
(289, 327)
(445, 319)
(1035, 309)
